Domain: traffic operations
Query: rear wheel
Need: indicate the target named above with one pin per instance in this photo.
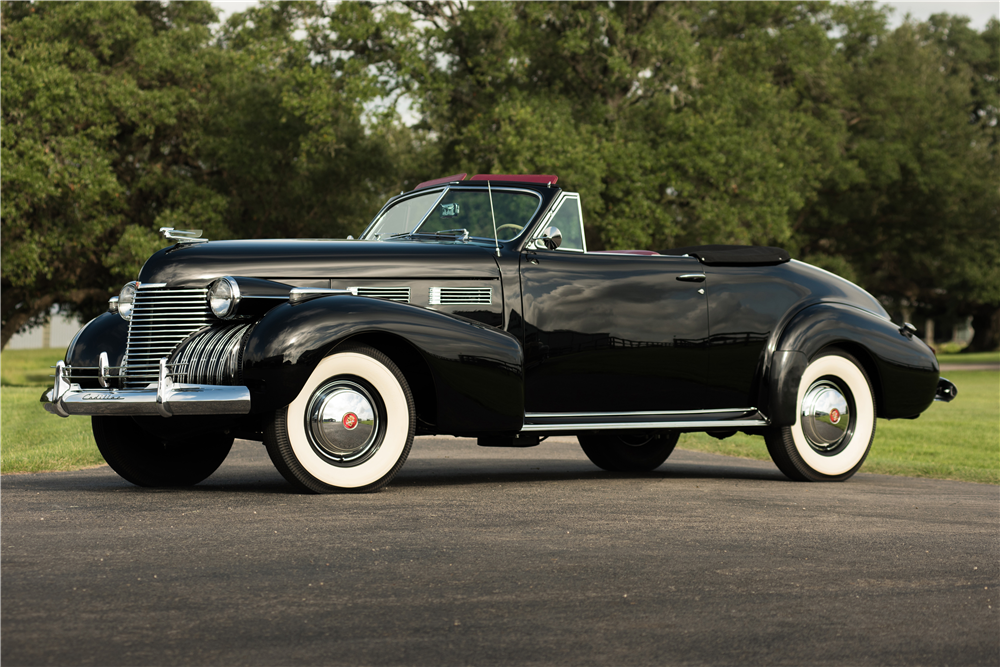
(835, 422)
(627, 451)
(349, 429)
(148, 460)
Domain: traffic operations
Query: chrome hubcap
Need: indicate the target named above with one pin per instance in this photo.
(342, 422)
(825, 416)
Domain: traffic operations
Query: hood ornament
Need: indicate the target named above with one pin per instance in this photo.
(182, 236)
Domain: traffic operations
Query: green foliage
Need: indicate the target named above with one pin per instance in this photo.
(873, 153)
(920, 222)
(102, 104)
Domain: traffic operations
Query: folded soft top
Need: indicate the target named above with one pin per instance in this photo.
(733, 255)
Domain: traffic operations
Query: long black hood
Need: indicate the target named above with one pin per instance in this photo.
(314, 259)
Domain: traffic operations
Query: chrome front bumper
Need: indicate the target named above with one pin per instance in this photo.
(164, 398)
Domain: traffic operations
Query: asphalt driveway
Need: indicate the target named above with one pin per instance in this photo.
(480, 556)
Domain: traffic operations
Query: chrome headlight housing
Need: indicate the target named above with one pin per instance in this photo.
(126, 300)
(224, 297)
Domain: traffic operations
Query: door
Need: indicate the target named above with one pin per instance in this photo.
(612, 332)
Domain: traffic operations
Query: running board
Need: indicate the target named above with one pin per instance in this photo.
(695, 420)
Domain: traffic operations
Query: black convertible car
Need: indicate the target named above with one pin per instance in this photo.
(473, 308)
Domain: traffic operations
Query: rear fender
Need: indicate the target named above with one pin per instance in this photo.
(902, 369)
(476, 371)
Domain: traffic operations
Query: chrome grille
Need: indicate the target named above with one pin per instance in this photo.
(211, 357)
(401, 294)
(460, 296)
(161, 319)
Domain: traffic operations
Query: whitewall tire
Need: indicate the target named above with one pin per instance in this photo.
(349, 429)
(835, 422)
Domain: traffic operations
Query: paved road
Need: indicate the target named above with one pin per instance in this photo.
(479, 556)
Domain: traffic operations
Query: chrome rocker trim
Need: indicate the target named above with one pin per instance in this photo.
(570, 422)
(164, 398)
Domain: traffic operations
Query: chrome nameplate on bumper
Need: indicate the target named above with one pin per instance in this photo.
(163, 399)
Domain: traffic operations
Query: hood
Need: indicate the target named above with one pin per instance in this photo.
(314, 259)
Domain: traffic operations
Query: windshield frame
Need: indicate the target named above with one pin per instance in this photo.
(444, 191)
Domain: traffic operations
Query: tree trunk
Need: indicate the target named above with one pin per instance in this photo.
(16, 321)
(986, 330)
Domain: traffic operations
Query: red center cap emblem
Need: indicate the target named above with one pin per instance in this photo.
(834, 416)
(350, 421)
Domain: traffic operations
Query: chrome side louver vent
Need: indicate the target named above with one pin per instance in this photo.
(161, 319)
(400, 294)
(461, 296)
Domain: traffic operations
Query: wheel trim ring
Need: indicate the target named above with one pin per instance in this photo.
(397, 425)
(855, 448)
(326, 422)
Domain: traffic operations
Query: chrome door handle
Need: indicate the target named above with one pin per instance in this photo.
(692, 277)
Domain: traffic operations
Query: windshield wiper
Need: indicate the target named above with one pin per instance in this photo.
(459, 234)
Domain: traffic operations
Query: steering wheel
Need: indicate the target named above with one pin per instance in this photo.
(516, 228)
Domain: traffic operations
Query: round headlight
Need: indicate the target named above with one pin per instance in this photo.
(224, 297)
(126, 301)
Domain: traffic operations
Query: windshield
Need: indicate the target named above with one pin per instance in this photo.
(465, 208)
(401, 218)
(460, 209)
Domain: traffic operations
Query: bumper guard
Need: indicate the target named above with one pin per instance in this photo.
(946, 391)
(164, 399)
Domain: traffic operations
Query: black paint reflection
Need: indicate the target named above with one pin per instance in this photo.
(601, 333)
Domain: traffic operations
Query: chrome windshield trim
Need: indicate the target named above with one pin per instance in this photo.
(484, 188)
(553, 211)
(398, 199)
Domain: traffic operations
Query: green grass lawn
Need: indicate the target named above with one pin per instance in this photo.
(970, 358)
(957, 440)
(32, 440)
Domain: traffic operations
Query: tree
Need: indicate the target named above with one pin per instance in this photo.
(101, 107)
(684, 122)
(120, 118)
(920, 222)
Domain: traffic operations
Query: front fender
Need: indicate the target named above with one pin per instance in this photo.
(902, 369)
(476, 370)
(107, 332)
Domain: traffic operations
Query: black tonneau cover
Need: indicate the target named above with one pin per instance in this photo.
(733, 255)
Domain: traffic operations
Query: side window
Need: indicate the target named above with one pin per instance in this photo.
(569, 220)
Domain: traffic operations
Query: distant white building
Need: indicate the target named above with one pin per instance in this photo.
(57, 333)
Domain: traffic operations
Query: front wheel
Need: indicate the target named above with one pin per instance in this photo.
(148, 460)
(834, 425)
(626, 451)
(349, 429)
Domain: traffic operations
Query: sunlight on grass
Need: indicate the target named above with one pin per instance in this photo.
(32, 440)
(958, 440)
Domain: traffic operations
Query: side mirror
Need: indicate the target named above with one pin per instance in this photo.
(551, 238)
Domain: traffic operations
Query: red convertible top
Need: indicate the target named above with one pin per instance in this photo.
(521, 178)
(439, 181)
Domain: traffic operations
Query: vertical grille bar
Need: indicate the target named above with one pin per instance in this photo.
(161, 319)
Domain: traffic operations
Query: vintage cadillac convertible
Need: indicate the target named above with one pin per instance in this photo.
(473, 308)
